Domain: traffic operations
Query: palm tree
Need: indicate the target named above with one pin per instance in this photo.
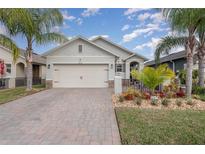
(152, 77)
(201, 55)
(9, 19)
(182, 21)
(170, 42)
(38, 30)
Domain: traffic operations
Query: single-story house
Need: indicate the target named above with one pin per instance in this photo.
(15, 74)
(176, 61)
(81, 62)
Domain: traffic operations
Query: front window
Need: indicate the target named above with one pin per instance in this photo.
(8, 68)
(80, 48)
(119, 67)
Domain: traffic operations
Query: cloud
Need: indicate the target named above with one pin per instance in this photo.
(137, 32)
(143, 17)
(125, 27)
(57, 29)
(90, 12)
(94, 36)
(79, 21)
(157, 17)
(151, 44)
(134, 10)
(66, 16)
(70, 37)
(65, 25)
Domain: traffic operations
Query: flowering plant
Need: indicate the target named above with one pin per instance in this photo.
(2, 67)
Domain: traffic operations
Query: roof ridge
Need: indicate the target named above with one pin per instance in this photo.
(119, 46)
(73, 39)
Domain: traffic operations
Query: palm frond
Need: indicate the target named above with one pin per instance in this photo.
(8, 43)
(51, 37)
(13, 18)
(183, 19)
(49, 18)
(152, 77)
(166, 44)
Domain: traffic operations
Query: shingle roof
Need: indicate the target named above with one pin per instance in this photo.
(36, 57)
(172, 56)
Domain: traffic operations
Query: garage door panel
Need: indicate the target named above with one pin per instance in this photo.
(80, 76)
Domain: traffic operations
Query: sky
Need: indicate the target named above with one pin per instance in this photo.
(138, 30)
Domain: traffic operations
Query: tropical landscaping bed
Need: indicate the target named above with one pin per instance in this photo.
(163, 115)
(172, 103)
(169, 98)
(8, 95)
(149, 126)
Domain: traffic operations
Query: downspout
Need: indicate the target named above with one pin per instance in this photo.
(173, 65)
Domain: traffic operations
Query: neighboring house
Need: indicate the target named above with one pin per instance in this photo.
(89, 63)
(15, 74)
(176, 61)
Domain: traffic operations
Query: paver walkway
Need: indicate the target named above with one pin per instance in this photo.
(60, 116)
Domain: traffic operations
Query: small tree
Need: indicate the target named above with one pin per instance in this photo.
(152, 77)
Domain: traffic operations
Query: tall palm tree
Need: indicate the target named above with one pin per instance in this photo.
(182, 21)
(38, 30)
(43, 22)
(9, 19)
(169, 42)
(201, 55)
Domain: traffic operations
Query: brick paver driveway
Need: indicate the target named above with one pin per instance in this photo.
(60, 116)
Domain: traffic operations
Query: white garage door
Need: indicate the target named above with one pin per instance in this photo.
(80, 76)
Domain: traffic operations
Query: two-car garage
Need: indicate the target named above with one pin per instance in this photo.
(80, 76)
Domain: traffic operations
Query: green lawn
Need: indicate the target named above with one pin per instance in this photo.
(148, 126)
(202, 97)
(12, 94)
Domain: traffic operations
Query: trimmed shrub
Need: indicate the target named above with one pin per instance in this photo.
(198, 90)
(180, 93)
(138, 101)
(165, 102)
(154, 100)
(189, 102)
(179, 102)
(121, 98)
(146, 95)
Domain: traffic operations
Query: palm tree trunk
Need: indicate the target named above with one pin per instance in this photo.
(29, 75)
(201, 65)
(189, 75)
(190, 48)
(29, 69)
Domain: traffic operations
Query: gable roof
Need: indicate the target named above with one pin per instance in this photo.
(172, 56)
(36, 58)
(120, 47)
(74, 39)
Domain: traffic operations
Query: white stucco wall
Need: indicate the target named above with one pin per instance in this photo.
(117, 51)
(122, 55)
(42, 72)
(20, 70)
(127, 65)
(69, 54)
(6, 55)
